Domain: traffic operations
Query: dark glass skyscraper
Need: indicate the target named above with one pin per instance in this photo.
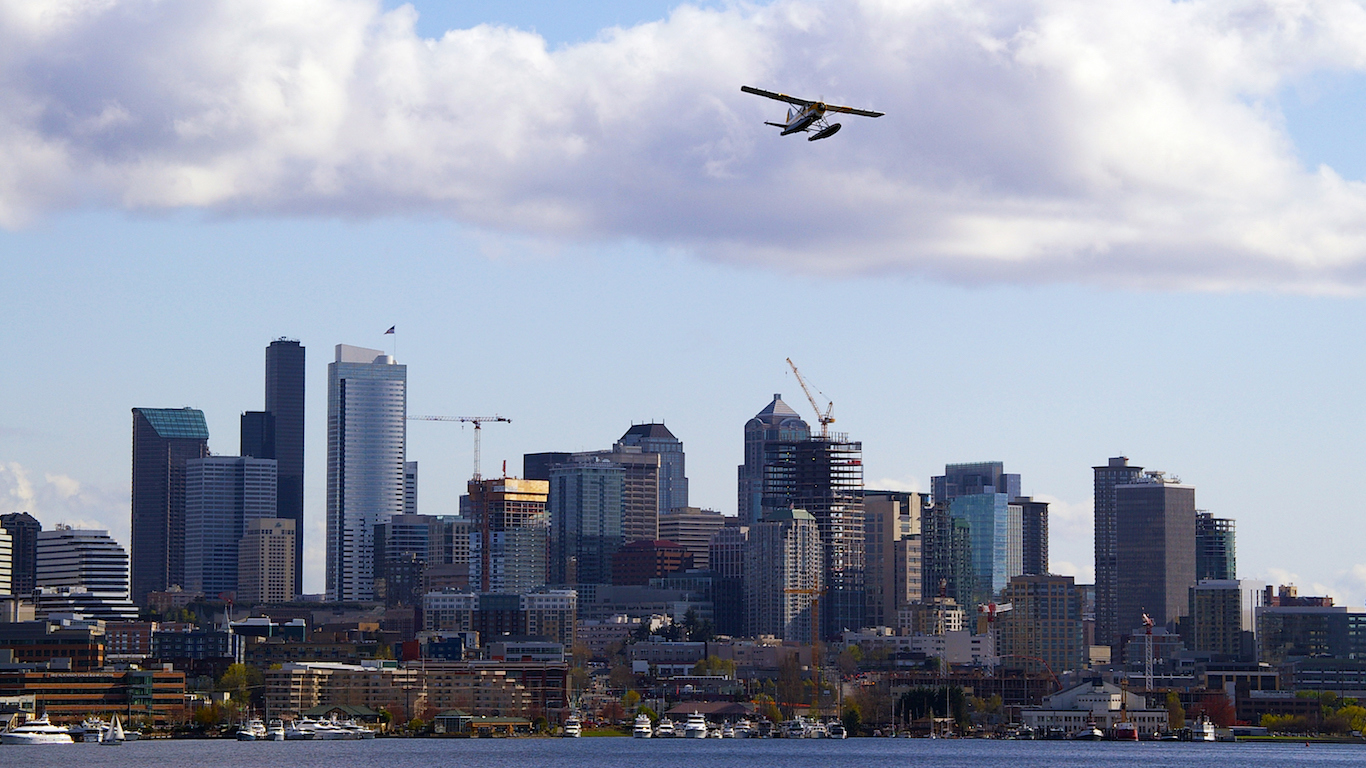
(1155, 550)
(766, 438)
(1034, 524)
(1114, 473)
(673, 479)
(974, 478)
(285, 404)
(163, 440)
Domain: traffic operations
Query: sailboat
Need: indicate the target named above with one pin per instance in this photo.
(113, 733)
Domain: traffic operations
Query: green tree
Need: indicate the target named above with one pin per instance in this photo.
(767, 708)
(629, 700)
(848, 661)
(621, 677)
(241, 681)
(852, 718)
(1176, 714)
(648, 712)
(714, 665)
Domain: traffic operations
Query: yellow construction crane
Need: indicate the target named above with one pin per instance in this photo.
(477, 421)
(825, 418)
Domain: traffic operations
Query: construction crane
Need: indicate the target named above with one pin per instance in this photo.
(825, 418)
(477, 421)
(988, 613)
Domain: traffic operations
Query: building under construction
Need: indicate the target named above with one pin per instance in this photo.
(510, 533)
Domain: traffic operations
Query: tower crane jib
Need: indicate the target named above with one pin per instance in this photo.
(477, 421)
(826, 419)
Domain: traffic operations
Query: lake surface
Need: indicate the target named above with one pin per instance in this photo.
(679, 753)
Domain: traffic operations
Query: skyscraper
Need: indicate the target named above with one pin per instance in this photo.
(410, 487)
(768, 437)
(946, 554)
(222, 494)
(1044, 624)
(783, 565)
(997, 532)
(1114, 473)
(509, 535)
(23, 529)
(974, 478)
(693, 528)
(1216, 551)
(891, 535)
(1034, 524)
(285, 367)
(1155, 550)
(6, 563)
(673, 478)
(163, 440)
(265, 562)
(585, 507)
(367, 405)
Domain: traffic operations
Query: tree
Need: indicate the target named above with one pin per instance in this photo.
(714, 665)
(767, 709)
(848, 661)
(791, 687)
(621, 677)
(648, 712)
(1176, 714)
(630, 699)
(240, 680)
(852, 719)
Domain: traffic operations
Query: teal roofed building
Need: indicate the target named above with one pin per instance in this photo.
(176, 423)
(163, 440)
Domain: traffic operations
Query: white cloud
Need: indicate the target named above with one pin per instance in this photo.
(60, 499)
(1133, 142)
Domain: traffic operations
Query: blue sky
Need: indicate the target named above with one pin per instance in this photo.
(576, 313)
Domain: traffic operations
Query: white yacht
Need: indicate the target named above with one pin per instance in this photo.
(276, 730)
(300, 730)
(573, 729)
(643, 729)
(113, 734)
(1203, 730)
(836, 730)
(38, 731)
(665, 729)
(253, 730)
(743, 730)
(696, 727)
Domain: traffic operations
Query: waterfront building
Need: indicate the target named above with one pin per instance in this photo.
(1216, 551)
(298, 687)
(366, 435)
(693, 528)
(673, 478)
(1044, 623)
(80, 646)
(23, 530)
(163, 440)
(784, 576)
(265, 561)
(156, 697)
(1108, 477)
(509, 534)
(1155, 550)
(82, 570)
(1094, 703)
(222, 495)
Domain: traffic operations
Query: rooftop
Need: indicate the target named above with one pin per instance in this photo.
(172, 423)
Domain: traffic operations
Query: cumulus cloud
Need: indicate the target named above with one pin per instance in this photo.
(1133, 142)
(59, 499)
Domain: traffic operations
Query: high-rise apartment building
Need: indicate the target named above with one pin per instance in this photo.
(1222, 618)
(1045, 623)
(367, 404)
(1155, 550)
(974, 478)
(892, 553)
(265, 561)
(726, 556)
(23, 529)
(163, 440)
(1114, 473)
(693, 528)
(997, 530)
(85, 571)
(673, 478)
(946, 554)
(6, 563)
(1034, 534)
(410, 487)
(1216, 550)
(783, 576)
(222, 494)
(586, 508)
(509, 535)
(768, 437)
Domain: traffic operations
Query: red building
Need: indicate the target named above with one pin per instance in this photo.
(638, 562)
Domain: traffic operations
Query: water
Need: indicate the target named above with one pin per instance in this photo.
(678, 753)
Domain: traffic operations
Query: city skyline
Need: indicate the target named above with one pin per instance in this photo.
(1238, 371)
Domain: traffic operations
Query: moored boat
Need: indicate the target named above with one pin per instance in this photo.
(39, 731)
(573, 728)
(665, 729)
(276, 730)
(113, 733)
(643, 728)
(695, 727)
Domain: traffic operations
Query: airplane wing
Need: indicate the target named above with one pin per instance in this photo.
(776, 96)
(852, 111)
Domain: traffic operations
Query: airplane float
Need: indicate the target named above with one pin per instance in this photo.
(804, 115)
